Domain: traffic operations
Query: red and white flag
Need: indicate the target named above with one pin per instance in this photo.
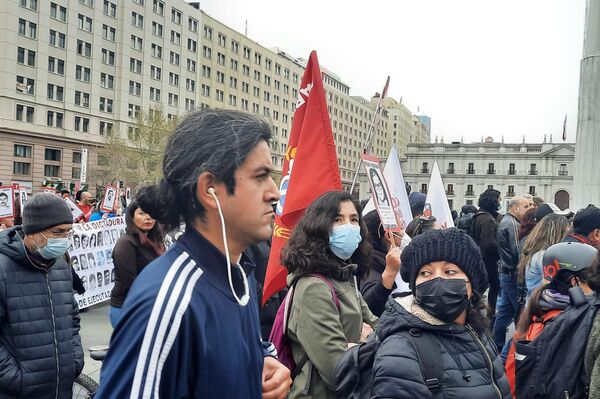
(310, 169)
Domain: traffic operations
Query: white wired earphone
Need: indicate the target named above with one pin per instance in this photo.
(243, 301)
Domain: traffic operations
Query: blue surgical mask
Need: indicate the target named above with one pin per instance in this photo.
(55, 248)
(344, 239)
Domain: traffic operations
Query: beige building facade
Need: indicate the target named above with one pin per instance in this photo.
(545, 170)
(73, 72)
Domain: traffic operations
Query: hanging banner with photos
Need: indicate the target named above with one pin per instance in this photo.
(381, 194)
(91, 258)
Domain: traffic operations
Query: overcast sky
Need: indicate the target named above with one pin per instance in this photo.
(476, 67)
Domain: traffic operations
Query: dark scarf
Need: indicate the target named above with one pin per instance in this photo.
(585, 240)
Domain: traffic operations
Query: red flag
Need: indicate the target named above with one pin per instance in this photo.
(564, 137)
(310, 168)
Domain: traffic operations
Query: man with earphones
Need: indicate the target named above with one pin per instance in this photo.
(189, 327)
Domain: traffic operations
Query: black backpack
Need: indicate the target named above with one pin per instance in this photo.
(552, 365)
(354, 377)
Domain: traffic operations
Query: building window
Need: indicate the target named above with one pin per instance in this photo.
(511, 169)
(22, 151)
(106, 128)
(56, 65)
(135, 65)
(450, 190)
(220, 77)
(192, 46)
(51, 154)
(206, 52)
(158, 7)
(173, 100)
(174, 58)
(57, 39)
(190, 85)
(51, 170)
(156, 50)
(208, 32)
(84, 48)
(84, 22)
(175, 38)
(157, 29)
(110, 9)
(219, 95)
(22, 168)
(154, 94)
(533, 169)
(31, 4)
(27, 28)
(137, 20)
(82, 99)
(55, 92)
(75, 173)
(491, 170)
(137, 43)
(89, 3)
(82, 73)
(562, 170)
(55, 119)
(511, 191)
(450, 168)
(191, 65)
(109, 33)
(246, 53)
(58, 12)
(25, 85)
(173, 79)
(82, 124)
(531, 190)
(134, 110)
(424, 188)
(155, 72)
(176, 16)
(232, 100)
(206, 90)
(25, 56)
(469, 190)
(76, 157)
(189, 104)
(192, 25)
(107, 81)
(471, 168)
(425, 168)
(106, 104)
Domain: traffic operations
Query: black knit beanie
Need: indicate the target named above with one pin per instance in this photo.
(45, 210)
(450, 245)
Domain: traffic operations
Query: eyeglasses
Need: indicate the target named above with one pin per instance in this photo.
(61, 234)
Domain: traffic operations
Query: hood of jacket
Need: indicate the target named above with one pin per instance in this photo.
(402, 314)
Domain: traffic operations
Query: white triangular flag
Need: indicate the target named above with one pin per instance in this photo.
(436, 199)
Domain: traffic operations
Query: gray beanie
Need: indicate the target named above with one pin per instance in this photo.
(44, 210)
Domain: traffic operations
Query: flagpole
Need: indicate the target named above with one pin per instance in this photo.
(374, 120)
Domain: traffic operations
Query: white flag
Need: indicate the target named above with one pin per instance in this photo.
(392, 174)
(436, 199)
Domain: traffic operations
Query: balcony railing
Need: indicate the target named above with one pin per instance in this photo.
(563, 173)
(512, 172)
(510, 193)
(533, 173)
(424, 170)
(469, 193)
(533, 193)
(449, 192)
(470, 171)
(491, 172)
(450, 171)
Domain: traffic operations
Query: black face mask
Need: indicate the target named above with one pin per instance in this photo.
(445, 299)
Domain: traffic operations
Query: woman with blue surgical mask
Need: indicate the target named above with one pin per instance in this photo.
(326, 253)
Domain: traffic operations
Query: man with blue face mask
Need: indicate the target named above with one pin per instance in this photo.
(40, 346)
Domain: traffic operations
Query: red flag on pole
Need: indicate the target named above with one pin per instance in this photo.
(564, 136)
(310, 168)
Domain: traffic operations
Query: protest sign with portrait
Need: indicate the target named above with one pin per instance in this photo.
(91, 258)
(381, 194)
(110, 198)
(7, 203)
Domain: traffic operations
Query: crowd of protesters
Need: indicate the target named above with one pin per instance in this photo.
(367, 313)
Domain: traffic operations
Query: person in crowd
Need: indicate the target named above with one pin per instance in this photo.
(447, 277)
(99, 214)
(484, 229)
(329, 242)
(592, 352)
(417, 203)
(527, 223)
(462, 222)
(141, 244)
(86, 207)
(547, 208)
(65, 194)
(550, 230)
(191, 316)
(40, 346)
(454, 214)
(537, 201)
(586, 227)
(508, 305)
(377, 285)
(420, 225)
(549, 300)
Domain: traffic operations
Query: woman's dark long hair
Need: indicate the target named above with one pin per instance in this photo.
(307, 250)
(153, 239)
(488, 200)
(375, 231)
(593, 275)
(528, 222)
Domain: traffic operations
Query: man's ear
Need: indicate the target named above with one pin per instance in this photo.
(205, 181)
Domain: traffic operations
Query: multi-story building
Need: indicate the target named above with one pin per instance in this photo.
(545, 170)
(73, 72)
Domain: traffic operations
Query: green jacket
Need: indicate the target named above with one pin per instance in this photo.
(317, 328)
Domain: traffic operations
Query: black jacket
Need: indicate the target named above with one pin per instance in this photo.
(40, 347)
(508, 242)
(485, 235)
(468, 370)
(372, 289)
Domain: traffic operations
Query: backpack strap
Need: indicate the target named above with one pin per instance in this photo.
(336, 301)
(429, 358)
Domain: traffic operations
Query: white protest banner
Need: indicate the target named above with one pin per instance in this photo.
(381, 194)
(392, 173)
(436, 201)
(7, 202)
(75, 211)
(91, 258)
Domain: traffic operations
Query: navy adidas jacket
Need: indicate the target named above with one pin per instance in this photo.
(182, 334)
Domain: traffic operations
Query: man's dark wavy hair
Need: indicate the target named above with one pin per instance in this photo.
(488, 200)
(307, 250)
